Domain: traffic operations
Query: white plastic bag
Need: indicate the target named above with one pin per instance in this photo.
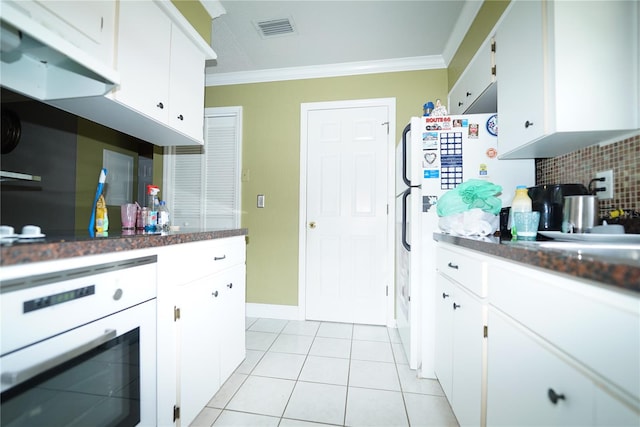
(474, 222)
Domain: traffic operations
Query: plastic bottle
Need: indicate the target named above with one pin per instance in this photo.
(152, 204)
(521, 203)
(163, 217)
(102, 217)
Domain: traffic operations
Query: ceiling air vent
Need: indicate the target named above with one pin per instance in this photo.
(275, 27)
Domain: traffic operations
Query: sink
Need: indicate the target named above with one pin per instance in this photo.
(620, 252)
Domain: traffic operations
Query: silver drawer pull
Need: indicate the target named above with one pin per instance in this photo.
(13, 378)
(451, 265)
(218, 258)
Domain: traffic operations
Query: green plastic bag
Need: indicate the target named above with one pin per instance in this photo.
(474, 193)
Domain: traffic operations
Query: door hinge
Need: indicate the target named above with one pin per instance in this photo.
(486, 331)
(493, 46)
(176, 413)
(493, 71)
(386, 123)
(176, 313)
(387, 291)
(387, 208)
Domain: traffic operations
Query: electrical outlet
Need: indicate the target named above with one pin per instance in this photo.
(607, 184)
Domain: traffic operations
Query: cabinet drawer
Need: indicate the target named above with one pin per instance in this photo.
(598, 327)
(186, 262)
(463, 267)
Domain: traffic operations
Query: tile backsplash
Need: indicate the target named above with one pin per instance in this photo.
(579, 167)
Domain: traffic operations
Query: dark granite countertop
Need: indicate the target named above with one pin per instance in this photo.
(621, 273)
(67, 245)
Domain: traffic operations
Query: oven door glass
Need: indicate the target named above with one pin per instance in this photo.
(102, 373)
(99, 387)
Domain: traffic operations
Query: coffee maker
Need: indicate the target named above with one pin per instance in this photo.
(549, 201)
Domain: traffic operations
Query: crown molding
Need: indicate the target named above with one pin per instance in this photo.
(214, 8)
(323, 71)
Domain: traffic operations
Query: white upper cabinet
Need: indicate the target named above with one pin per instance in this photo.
(186, 86)
(568, 76)
(58, 49)
(144, 58)
(475, 91)
(162, 70)
(160, 58)
(88, 25)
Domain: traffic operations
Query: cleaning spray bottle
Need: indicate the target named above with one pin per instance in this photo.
(151, 224)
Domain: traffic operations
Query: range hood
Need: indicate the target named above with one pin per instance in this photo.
(39, 63)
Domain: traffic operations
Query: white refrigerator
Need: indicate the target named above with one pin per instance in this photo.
(434, 156)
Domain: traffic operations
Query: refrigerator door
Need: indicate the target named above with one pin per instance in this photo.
(408, 270)
(408, 243)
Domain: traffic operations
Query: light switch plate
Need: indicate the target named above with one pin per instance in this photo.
(261, 200)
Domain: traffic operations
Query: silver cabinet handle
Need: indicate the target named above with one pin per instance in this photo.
(13, 378)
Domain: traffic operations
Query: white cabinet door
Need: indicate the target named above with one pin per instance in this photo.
(198, 346)
(231, 320)
(143, 58)
(527, 384)
(551, 64)
(520, 59)
(186, 88)
(610, 411)
(467, 358)
(444, 335)
(459, 359)
(477, 77)
(87, 25)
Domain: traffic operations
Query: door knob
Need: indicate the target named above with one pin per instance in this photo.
(312, 224)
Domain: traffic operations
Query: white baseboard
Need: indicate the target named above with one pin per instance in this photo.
(273, 311)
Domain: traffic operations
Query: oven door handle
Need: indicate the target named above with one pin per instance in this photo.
(17, 377)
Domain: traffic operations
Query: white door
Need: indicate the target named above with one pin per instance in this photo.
(347, 214)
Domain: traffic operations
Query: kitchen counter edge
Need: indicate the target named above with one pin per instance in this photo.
(618, 275)
(48, 251)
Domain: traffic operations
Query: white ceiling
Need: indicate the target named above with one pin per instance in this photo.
(336, 37)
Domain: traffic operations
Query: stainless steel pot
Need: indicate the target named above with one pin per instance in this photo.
(579, 214)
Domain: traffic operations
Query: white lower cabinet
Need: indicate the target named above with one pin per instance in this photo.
(210, 337)
(560, 351)
(201, 324)
(460, 344)
(519, 346)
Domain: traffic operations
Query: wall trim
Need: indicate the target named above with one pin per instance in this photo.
(273, 311)
(322, 71)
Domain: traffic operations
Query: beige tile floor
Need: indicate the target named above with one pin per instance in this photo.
(304, 373)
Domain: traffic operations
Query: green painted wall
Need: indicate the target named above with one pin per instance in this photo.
(197, 16)
(485, 20)
(92, 140)
(271, 152)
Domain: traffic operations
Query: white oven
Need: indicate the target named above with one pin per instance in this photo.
(78, 347)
